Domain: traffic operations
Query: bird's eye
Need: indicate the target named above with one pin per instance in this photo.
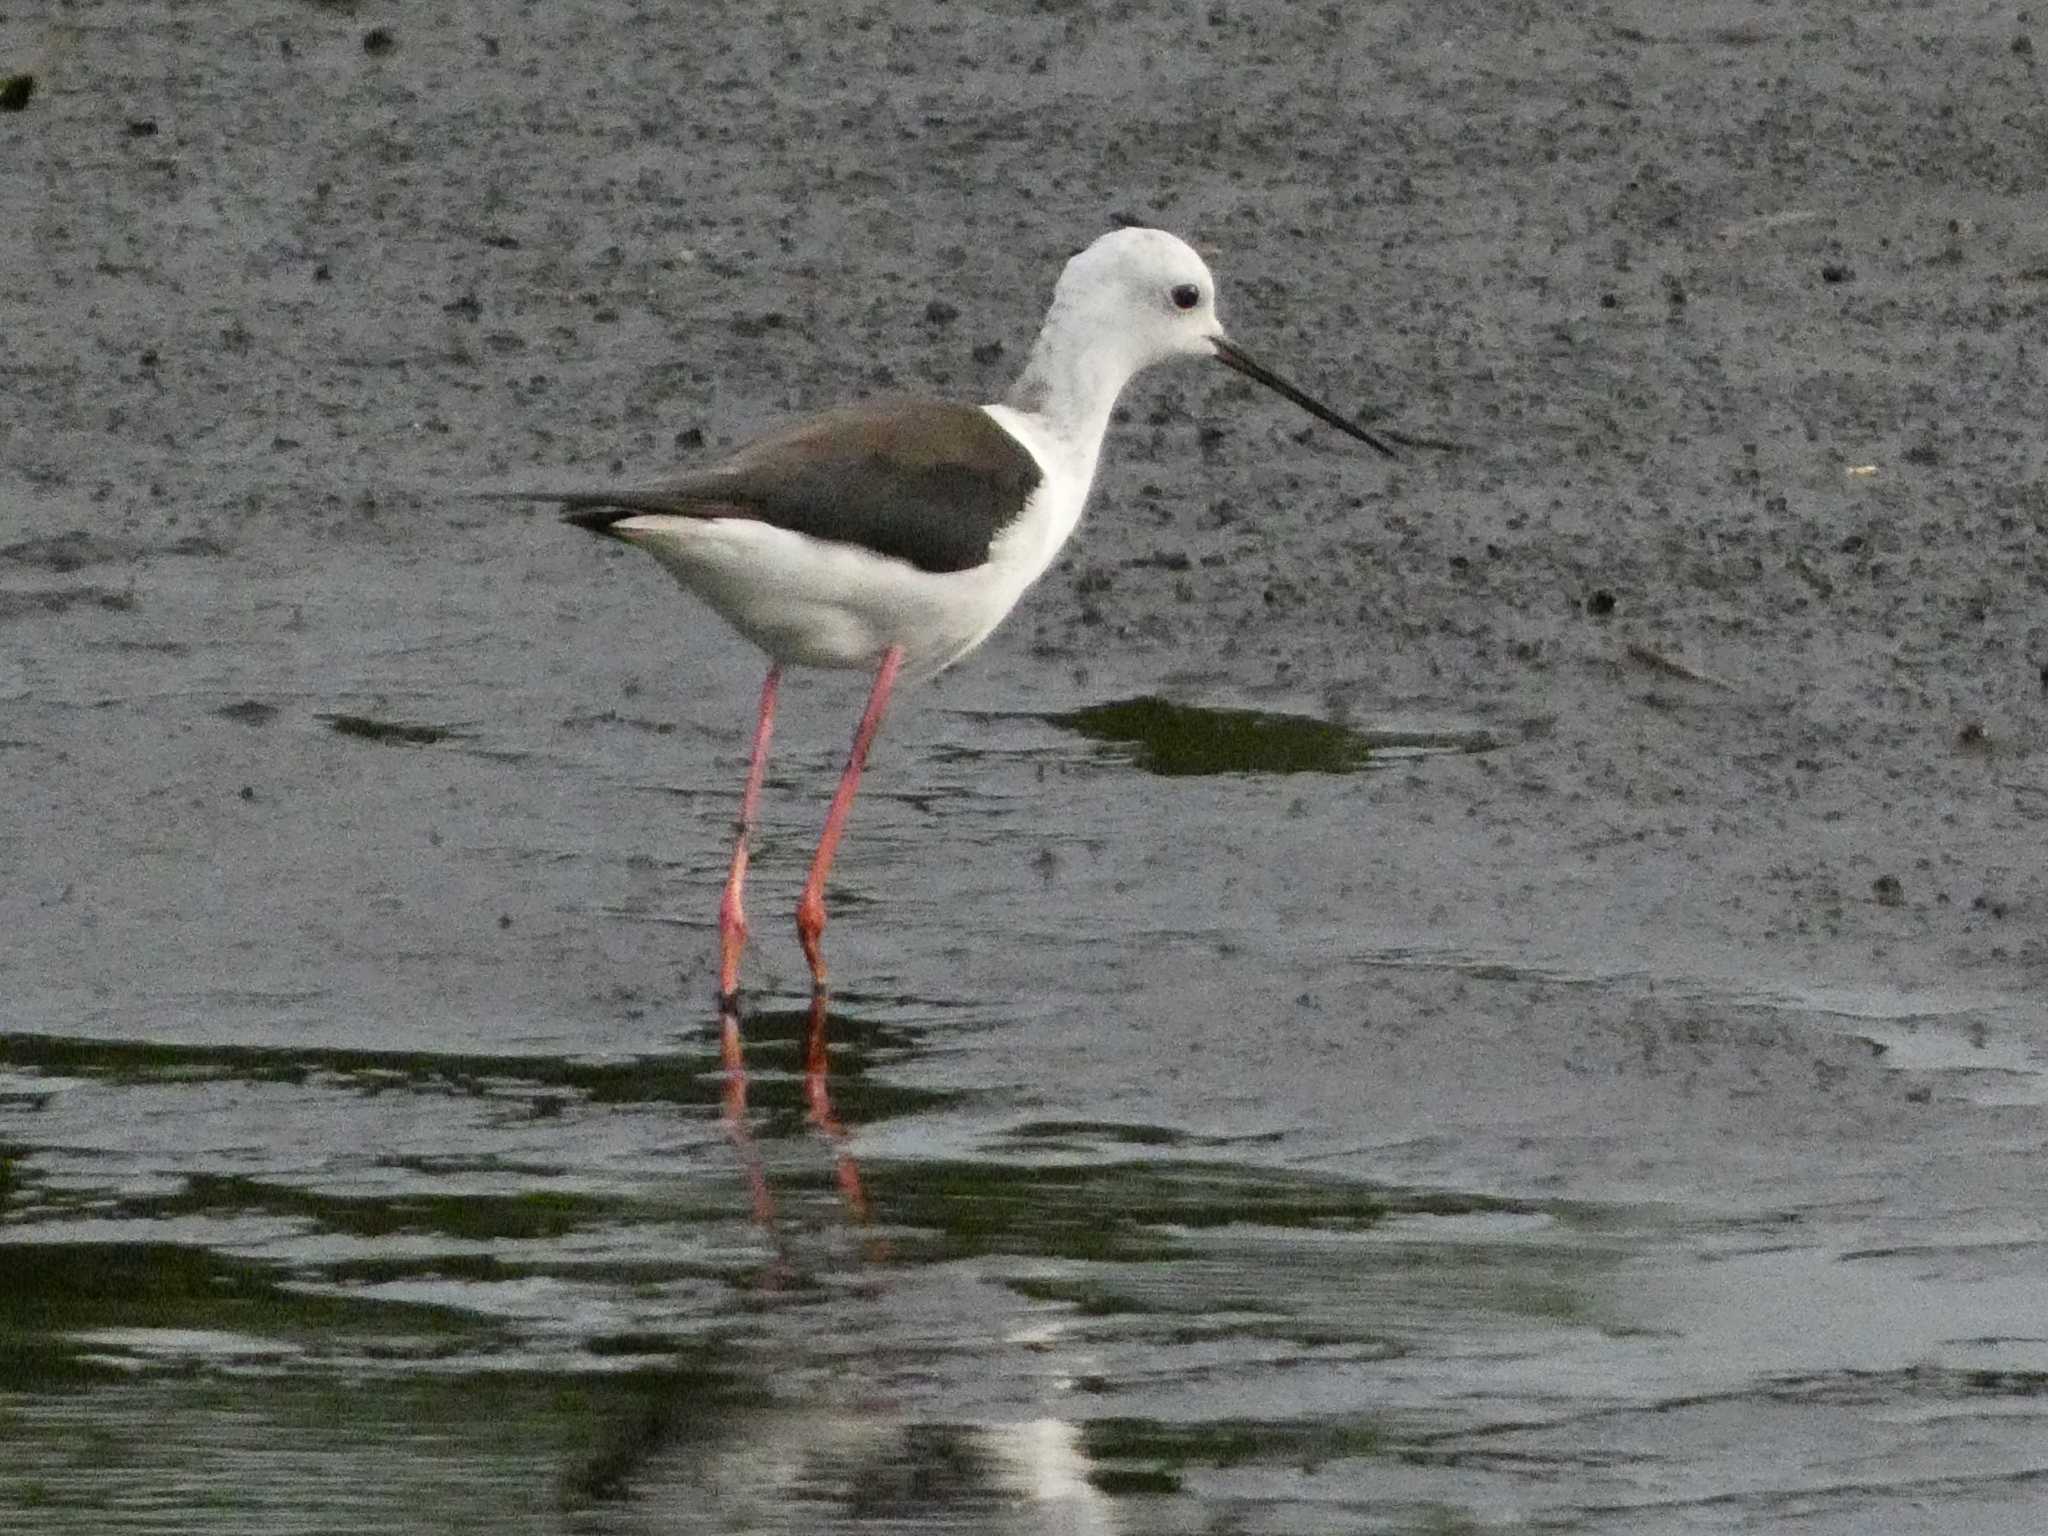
(1185, 296)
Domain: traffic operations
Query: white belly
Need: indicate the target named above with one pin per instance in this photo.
(816, 604)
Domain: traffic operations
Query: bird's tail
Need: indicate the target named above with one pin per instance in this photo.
(593, 511)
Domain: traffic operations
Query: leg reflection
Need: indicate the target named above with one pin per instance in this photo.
(736, 1116)
(818, 1096)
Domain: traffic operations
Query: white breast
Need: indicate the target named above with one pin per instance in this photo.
(1027, 546)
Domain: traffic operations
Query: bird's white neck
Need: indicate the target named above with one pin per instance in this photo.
(1059, 408)
(1070, 384)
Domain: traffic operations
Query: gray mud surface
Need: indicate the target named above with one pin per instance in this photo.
(1614, 1105)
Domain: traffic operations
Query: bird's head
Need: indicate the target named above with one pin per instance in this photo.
(1147, 288)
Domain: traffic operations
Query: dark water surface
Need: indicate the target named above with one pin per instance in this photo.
(403, 1289)
(326, 1289)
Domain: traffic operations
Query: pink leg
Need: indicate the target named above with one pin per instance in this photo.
(732, 915)
(810, 909)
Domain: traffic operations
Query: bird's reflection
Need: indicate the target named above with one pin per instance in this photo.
(818, 1100)
(818, 1112)
(733, 1058)
(731, 1436)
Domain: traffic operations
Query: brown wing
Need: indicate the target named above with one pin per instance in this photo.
(928, 482)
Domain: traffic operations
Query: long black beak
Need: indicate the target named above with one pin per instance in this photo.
(1231, 355)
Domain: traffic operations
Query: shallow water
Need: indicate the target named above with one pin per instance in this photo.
(1418, 1239)
(382, 1290)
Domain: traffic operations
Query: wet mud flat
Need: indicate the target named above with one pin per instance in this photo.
(1497, 993)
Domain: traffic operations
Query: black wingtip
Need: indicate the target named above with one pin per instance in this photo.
(597, 520)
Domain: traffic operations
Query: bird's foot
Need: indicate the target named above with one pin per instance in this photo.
(810, 931)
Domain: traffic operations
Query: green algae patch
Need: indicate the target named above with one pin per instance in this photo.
(528, 1215)
(1170, 1448)
(57, 1300)
(1179, 740)
(686, 1076)
(395, 733)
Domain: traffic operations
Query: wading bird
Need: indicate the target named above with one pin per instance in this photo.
(896, 536)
